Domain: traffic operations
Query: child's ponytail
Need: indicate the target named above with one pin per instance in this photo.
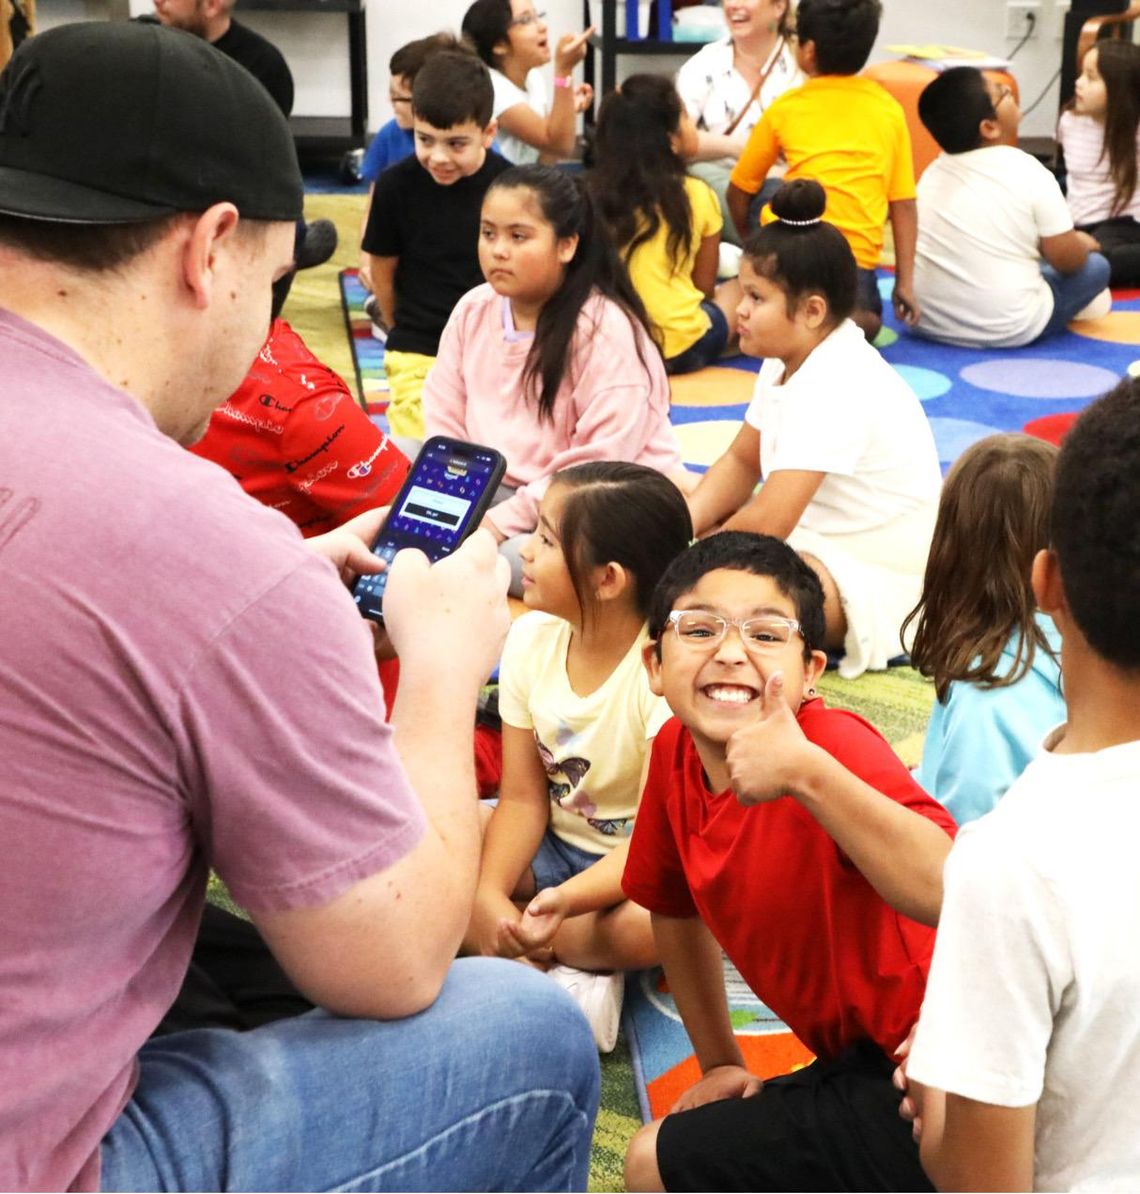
(803, 254)
(595, 266)
(1119, 65)
(638, 177)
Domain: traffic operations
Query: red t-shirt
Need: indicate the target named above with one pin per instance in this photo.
(803, 926)
(294, 438)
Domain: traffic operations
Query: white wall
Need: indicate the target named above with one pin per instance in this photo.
(316, 45)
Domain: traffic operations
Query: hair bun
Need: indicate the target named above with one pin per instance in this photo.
(802, 200)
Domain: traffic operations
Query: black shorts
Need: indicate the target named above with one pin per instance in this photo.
(831, 1126)
(867, 294)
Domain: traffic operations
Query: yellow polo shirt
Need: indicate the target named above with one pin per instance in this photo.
(848, 134)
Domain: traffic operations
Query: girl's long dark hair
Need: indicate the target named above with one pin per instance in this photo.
(487, 24)
(638, 178)
(993, 518)
(1119, 65)
(625, 513)
(595, 266)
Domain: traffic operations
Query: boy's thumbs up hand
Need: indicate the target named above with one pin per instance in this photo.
(768, 759)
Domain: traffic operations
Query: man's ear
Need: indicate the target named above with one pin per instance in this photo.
(805, 56)
(489, 132)
(210, 233)
(814, 668)
(650, 657)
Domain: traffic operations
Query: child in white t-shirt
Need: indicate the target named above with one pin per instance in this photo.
(851, 475)
(1098, 135)
(578, 721)
(1028, 1045)
(513, 40)
(998, 262)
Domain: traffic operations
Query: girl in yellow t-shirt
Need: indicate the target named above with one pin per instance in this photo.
(578, 722)
(667, 222)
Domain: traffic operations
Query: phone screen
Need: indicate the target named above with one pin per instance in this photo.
(442, 500)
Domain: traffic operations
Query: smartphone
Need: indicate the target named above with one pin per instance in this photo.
(443, 499)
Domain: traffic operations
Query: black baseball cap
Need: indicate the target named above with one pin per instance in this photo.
(119, 123)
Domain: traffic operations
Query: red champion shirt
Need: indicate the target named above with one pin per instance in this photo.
(296, 440)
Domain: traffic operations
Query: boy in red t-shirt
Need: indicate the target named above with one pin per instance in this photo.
(791, 836)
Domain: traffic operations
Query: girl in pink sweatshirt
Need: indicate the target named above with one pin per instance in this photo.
(552, 361)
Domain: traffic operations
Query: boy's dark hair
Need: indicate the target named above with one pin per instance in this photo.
(742, 551)
(565, 204)
(953, 105)
(625, 513)
(977, 596)
(843, 32)
(638, 177)
(408, 60)
(1095, 524)
(452, 88)
(803, 254)
(486, 24)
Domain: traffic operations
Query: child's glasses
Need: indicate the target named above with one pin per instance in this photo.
(528, 18)
(703, 631)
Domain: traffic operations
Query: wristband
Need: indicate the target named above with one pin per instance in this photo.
(565, 82)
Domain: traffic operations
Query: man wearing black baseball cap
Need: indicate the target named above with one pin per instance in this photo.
(184, 685)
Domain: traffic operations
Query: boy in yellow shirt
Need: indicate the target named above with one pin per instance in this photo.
(850, 136)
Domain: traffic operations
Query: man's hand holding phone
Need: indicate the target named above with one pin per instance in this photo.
(450, 618)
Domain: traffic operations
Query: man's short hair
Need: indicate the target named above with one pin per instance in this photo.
(1095, 525)
(843, 32)
(127, 123)
(408, 60)
(742, 551)
(452, 88)
(952, 107)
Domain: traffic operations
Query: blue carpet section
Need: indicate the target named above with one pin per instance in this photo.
(969, 393)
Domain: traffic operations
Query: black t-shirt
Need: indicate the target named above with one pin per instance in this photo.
(434, 231)
(262, 59)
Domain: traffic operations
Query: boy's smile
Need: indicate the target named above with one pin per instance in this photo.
(451, 154)
(714, 689)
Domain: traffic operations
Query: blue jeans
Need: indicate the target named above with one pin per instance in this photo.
(494, 1087)
(707, 349)
(1072, 292)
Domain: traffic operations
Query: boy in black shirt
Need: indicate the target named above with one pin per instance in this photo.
(423, 227)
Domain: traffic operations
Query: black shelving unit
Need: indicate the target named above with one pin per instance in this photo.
(610, 47)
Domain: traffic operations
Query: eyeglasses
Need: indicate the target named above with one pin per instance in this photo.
(703, 631)
(1004, 92)
(528, 18)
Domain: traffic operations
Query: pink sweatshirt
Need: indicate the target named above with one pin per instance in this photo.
(610, 406)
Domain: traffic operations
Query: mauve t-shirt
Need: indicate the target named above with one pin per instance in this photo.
(183, 684)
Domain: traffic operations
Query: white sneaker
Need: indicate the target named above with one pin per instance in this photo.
(1098, 308)
(599, 996)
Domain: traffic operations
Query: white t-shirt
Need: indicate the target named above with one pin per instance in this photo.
(1034, 991)
(592, 747)
(845, 412)
(713, 91)
(977, 270)
(1091, 188)
(507, 95)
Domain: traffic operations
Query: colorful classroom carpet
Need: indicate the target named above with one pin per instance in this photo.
(367, 351)
(967, 393)
(663, 1061)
